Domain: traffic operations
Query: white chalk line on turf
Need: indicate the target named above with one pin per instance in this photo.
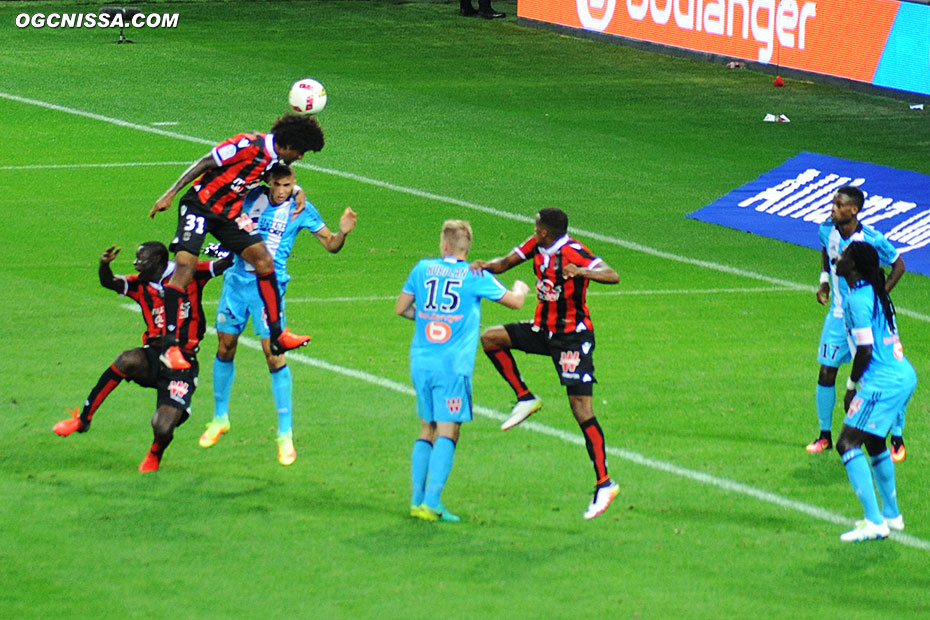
(630, 245)
(131, 164)
(723, 484)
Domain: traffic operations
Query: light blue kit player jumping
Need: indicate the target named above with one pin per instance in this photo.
(274, 209)
(835, 234)
(443, 296)
(880, 385)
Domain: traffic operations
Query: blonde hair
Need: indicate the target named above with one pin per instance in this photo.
(456, 235)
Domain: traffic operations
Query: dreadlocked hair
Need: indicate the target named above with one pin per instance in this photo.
(298, 131)
(865, 258)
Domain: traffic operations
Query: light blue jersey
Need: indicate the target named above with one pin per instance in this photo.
(278, 231)
(889, 380)
(240, 299)
(832, 241)
(833, 350)
(448, 297)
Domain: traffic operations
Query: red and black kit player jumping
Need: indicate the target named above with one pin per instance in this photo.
(214, 205)
(141, 365)
(561, 329)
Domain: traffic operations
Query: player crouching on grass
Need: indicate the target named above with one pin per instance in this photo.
(141, 365)
(443, 296)
(214, 205)
(562, 329)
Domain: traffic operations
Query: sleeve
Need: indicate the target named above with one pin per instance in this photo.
(489, 287)
(410, 286)
(128, 283)
(527, 249)
(887, 253)
(310, 219)
(204, 271)
(859, 311)
(579, 255)
(232, 149)
(823, 233)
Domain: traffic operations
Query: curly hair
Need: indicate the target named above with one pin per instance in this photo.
(298, 131)
(157, 249)
(554, 220)
(865, 259)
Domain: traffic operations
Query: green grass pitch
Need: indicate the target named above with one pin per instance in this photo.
(706, 375)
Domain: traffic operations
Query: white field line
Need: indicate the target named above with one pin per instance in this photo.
(132, 164)
(724, 484)
(630, 245)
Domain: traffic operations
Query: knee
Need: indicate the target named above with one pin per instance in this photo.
(165, 420)
(131, 363)
(491, 338)
(827, 376)
(845, 444)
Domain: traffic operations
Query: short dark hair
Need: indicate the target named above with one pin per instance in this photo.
(156, 248)
(279, 171)
(554, 220)
(298, 131)
(854, 194)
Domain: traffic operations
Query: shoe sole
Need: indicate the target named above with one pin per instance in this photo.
(613, 496)
(513, 420)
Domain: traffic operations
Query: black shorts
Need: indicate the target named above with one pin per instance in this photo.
(175, 387)
(572, 354)
(195, 221)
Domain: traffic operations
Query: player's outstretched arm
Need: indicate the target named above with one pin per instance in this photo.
(602, 273)
(333, 242)
(107, 279)
(515, 297)
(497, 265)
(404, 306)
(188, 176)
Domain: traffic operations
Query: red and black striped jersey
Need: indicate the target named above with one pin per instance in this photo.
(241, 163)
(562, 304)
(150, 297)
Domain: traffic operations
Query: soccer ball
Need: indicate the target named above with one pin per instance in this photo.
(307, 96)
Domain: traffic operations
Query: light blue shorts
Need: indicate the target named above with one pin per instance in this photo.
(834, 347)
(442, 397)
(875, 411)
(238, 302)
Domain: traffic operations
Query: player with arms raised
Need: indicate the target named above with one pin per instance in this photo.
(214, 204)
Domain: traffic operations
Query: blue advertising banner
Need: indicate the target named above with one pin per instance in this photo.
(791, 201)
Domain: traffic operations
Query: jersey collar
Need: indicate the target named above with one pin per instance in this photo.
(269, 146)
(555, 247)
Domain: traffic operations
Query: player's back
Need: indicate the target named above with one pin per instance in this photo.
(447, 295)
(888, 364)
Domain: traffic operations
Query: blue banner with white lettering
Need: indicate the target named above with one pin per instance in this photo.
(791, 201)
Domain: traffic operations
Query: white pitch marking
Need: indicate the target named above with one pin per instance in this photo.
(110, 165)
(630, 245)
(163, 123)
(724, 484)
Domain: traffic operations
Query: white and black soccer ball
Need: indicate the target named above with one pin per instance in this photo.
(307, 96)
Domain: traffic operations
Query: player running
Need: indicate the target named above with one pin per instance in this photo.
(562, 329)
(885, 381)
(443, 295)
(214, 204)
(274, 210)
(175, 387)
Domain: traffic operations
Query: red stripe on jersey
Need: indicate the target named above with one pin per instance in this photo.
(562, 302)
(244, 161)
(151, 304)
